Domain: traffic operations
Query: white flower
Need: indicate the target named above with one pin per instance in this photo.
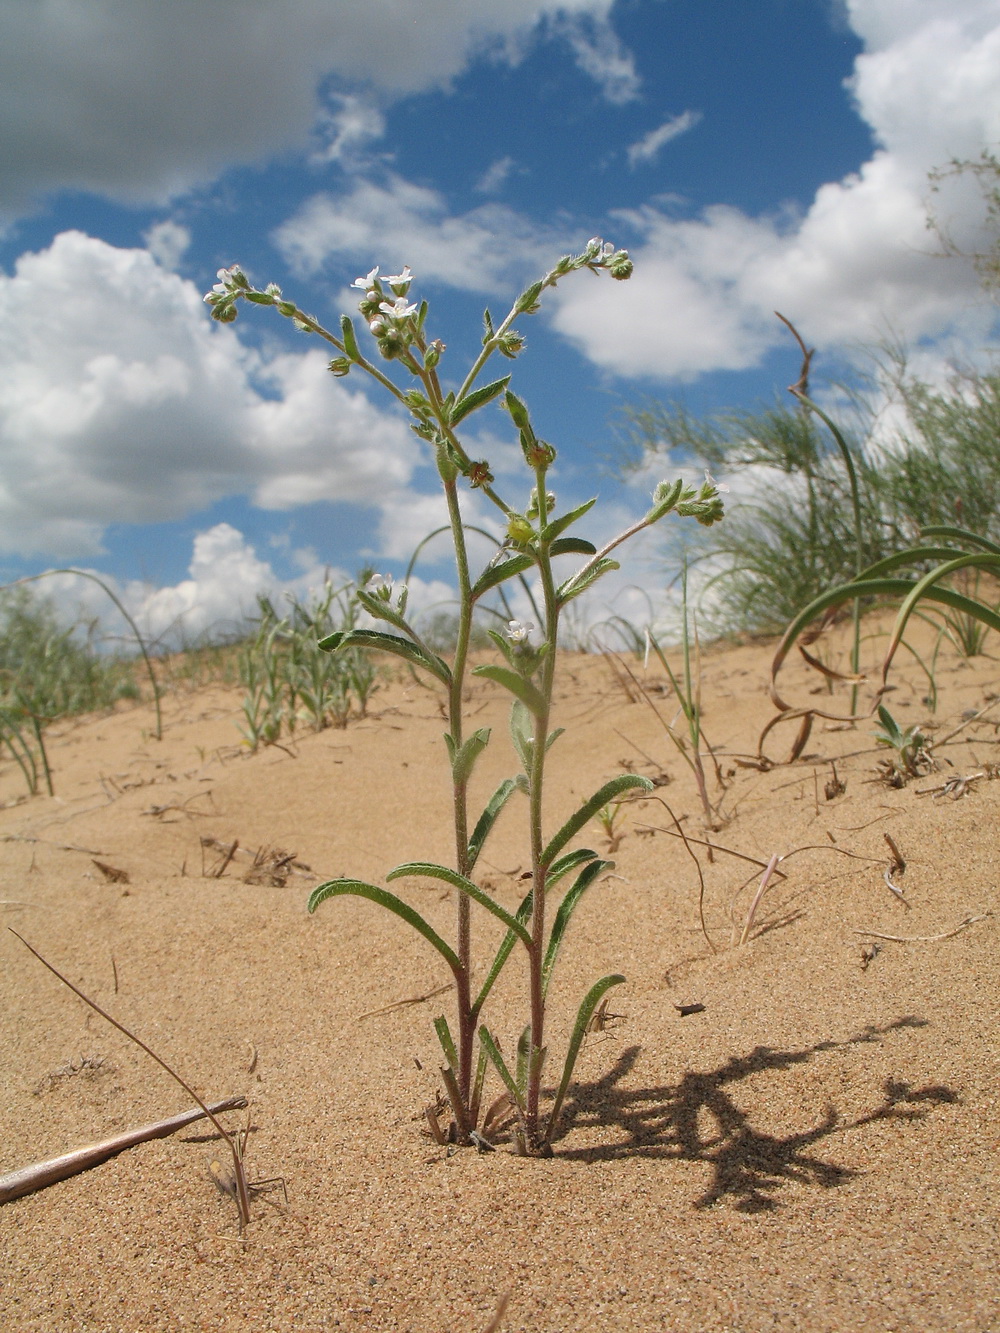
(399, 309)
(365, 283)
(405, 277)
(379, 581)
(719, 486)
(518, 631)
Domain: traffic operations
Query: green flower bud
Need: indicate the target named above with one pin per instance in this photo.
(510, 344)
(340, 366)
(519, 530)
(287, 308)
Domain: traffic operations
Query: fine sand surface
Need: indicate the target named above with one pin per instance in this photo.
(816, 1148)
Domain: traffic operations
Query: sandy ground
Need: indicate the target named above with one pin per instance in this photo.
(815, 1148)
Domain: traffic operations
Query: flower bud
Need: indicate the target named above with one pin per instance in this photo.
(340, 366)
(519, 530)
(510, 344)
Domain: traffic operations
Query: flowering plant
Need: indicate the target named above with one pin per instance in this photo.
(535, 535)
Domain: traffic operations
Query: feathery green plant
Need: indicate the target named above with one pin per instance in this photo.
(535, 535)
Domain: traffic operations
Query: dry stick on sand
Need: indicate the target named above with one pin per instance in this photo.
(926, 939)
(40, 1175)
(241, 1189)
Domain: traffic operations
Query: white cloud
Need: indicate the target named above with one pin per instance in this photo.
(600, 53)
(495, 176)
(141, 100)
(646, 148)
(857, 263)
(345, 133)
(402, 223)
(167, 242)
(121, 401)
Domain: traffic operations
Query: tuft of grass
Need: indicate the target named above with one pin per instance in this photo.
(50, 671)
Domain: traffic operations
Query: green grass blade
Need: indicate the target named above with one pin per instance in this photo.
(489, 817)
(358, 888)
(429, 870)
(586, 812)
(566, 909)
(960, 535)
(586, 1011)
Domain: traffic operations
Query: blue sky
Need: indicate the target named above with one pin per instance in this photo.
(752, 156)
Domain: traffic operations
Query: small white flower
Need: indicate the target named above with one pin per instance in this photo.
(379, 581)
(400, 309)
(518, 631)
(365, 283)
(406, 276)
(720, 486)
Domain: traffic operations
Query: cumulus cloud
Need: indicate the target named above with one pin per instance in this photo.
(141, 100)
(121, 401)
(856, 263)
(646, 148)
(402, 223)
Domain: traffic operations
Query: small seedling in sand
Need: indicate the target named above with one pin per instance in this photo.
(240, 1187)
(911, 755)
(534, 538)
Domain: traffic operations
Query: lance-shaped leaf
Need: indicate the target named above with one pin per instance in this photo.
(488, 818)
(387, 643)
(572, 546)
(349, 337)
(509, 1082)
(503, 953)
(358, 888)
(447, 1040)
(523, 1048)
(500, 572)
(566, 910)
(478, 398)
(431, 871)
(559, 869)
(379, 609)
(464, 761)
(586, 1011)
(522, 728)
(517, 684)
(552, 530)
(581, 581)
(627, 782)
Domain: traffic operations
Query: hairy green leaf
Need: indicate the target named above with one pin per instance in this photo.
(558, 525)
(387, 643)
(566, 910)
(509, 1082)
(496, 574)
(429, 870)
(478, 398)
(579, 583)
(358, 888)
(586, 1011)
(465, 760)
(488, 818)
(517, 684)
(627, 782)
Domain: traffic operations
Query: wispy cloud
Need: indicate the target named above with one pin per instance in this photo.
(495, 176)
(646, 148)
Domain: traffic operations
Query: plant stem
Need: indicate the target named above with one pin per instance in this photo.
(466, 1016)
(539, 870)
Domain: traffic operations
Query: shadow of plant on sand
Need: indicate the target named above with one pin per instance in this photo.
(748, 1165)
